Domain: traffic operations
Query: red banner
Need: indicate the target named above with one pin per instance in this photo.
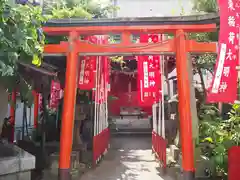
(102, 74)
(55, 94)
(224, 84)
(105, 77)
(86, 79)
(40, 101)
(87, 69)
(100, 80)
(149, 76)
(107, 68)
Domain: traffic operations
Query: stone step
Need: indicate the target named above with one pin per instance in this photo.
(54, 160)
(174, 152)
(204, 167)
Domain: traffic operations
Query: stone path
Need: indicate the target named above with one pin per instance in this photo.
(130, 158)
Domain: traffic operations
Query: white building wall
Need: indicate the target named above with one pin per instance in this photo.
(19, 118)
(149, 8)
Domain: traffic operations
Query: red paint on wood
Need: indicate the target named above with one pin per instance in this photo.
(119, 89)
(234, 163)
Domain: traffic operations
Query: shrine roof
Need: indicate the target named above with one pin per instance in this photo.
(212, 18)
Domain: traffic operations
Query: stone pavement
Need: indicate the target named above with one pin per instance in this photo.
(130, 158)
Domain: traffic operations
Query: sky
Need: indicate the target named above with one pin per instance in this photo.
(169, 7)
(144, 8)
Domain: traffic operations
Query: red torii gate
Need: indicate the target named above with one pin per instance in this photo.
(126, 27)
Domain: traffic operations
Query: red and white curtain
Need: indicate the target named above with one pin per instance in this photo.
(100, 96)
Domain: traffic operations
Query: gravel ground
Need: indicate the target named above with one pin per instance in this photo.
(130, 158)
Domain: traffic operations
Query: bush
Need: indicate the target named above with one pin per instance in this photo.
(217, 135)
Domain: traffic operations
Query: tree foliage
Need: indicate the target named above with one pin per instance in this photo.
(209, 6)
(62, 9)
(19, 42)
(20, 27)
(206, 61)
(218, 135)
(78, 8)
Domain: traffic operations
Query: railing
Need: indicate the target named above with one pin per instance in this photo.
(159, 147)
(159, 143)
(100, 144)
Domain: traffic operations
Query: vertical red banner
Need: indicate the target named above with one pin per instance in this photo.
(36, 108)
(149, 75)
(105, 72)
(55, 94)
(87, 69)
(224, 84)
(40, 102)
(105, 78)
(101, 79)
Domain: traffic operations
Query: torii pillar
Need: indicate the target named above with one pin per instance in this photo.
(67, 124)
(184, 92)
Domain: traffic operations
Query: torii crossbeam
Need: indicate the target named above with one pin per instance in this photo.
(126, 27)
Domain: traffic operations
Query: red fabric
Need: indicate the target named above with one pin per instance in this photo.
(149, 76)
(234, 163)
(55, 94)
(36, 108)
(101, 140)
(224, 85)
(100, 144)
(106, 66)
(87, 68)
(100, 80)
(40, 102)
(95, 74)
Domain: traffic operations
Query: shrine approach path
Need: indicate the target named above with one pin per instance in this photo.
(130, 158)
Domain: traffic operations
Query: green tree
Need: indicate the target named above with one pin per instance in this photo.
(19, 33)
(209, 6)
(204, 62)
(78, 8)
(19, 41)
